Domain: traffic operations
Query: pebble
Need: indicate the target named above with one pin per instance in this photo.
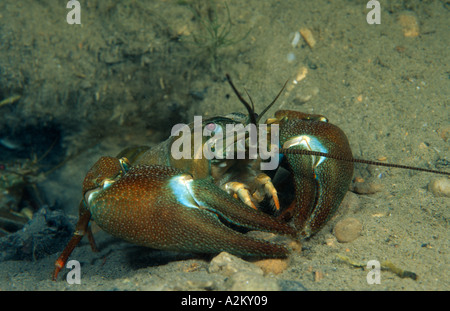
(409, 24)
(440, 187)
(272, 265)
(227, 265)
(445, 133)
(350, 202)
(305, 94)
(366, 187)
(245, 281)
(290, 285)
(347, 230)
(308, 36)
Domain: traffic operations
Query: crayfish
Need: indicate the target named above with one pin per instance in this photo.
(17, 192)
(156, 198)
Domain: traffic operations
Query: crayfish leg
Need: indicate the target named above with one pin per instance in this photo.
(81, 229)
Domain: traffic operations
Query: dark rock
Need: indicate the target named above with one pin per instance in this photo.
(47, 233)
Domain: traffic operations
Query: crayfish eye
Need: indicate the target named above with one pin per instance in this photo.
(211, 126)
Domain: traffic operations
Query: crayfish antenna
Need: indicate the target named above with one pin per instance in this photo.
(341, 158)
(251, 111)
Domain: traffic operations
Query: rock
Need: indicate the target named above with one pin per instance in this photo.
(47, 233)
(350, 202)
(440, 187)
(347, 230)
(245, 281)
(367, 187)
(308, 36)
(445, 133)
(227, 264)
(289, 285)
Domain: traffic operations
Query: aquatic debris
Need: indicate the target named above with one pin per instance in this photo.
(19, 193)
(301, 74)
(296, 39)
(45, 234)
(385, 265)
(215, 33)
(9, 144)
(10, 100)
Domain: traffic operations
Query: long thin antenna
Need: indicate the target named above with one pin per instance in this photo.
(342, 158)
(273, 102)
(251, 112)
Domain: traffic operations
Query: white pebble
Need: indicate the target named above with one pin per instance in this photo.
(290, 57)
(296, 39)
(440, 187)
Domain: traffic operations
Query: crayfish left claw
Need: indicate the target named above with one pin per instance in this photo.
(177, 212)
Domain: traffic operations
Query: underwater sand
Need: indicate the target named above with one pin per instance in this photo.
(130, 72)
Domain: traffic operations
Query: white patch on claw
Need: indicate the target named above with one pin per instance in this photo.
(181, 186)
(310, 143)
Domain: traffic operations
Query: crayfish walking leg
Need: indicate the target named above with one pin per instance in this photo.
(82, 228)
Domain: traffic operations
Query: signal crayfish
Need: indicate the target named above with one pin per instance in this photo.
(156, 198)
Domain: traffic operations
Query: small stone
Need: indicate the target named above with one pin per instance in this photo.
(347, 230)
(245, 281)
(272, 265)
(366, 187)
(350, 202)
(445, 133)
(331, 241)
(305, 94)
(227, 265)
(423, 146)
(289, 285)
(440, 187)
(409, 24)
(200, 285)
(308, 36)
(295, 246)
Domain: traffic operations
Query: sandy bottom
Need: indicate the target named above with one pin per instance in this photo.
(387, 91)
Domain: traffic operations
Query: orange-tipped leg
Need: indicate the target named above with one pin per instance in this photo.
(80, 231)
